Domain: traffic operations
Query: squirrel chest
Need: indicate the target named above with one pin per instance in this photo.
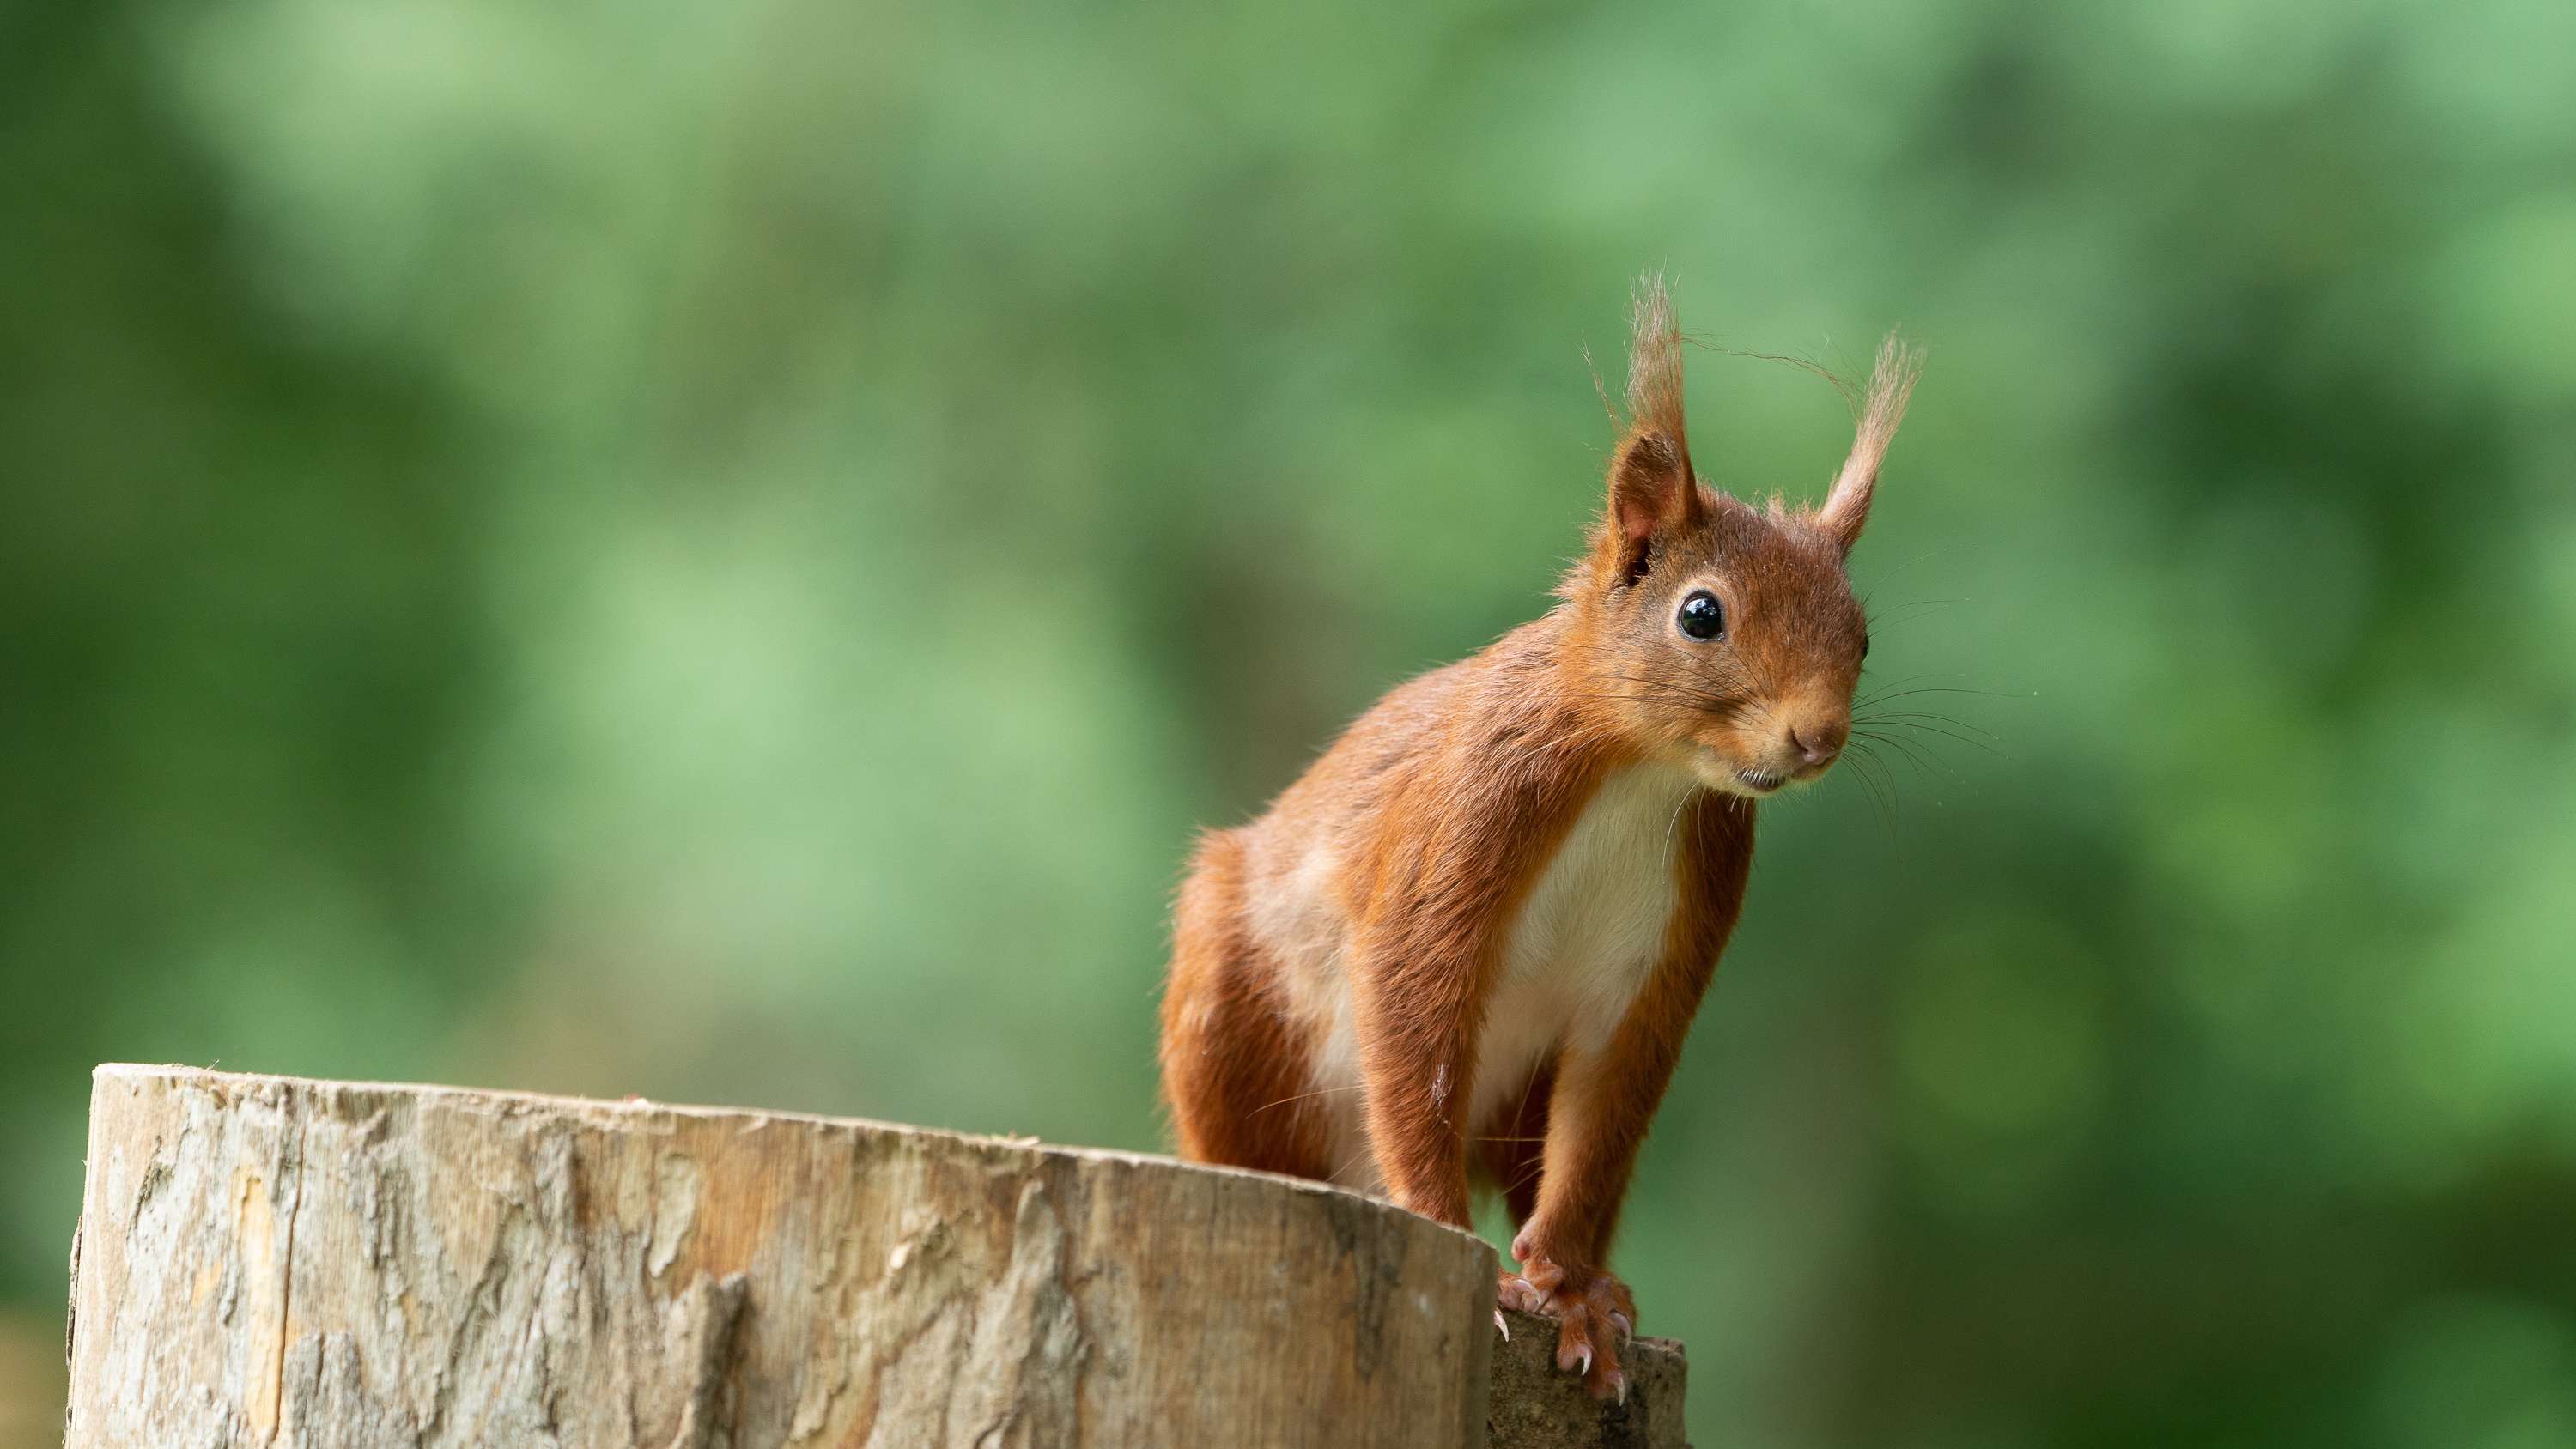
(1582, 943)
(1591, 930)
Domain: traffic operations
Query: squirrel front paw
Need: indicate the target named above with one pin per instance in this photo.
(1593, 1312)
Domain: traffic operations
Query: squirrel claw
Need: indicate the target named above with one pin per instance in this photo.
(1593, 1315)
(1501, 1327)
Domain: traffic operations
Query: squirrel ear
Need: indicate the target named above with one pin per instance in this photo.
(1651, 483)
(1650, 486)
(1891, 382)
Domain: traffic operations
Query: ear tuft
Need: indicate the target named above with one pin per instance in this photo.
(1651, 482)
(1655, 364)
(1891, 383)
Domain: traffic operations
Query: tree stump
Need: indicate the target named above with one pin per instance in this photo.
(267, 1261)
(1536, 1406)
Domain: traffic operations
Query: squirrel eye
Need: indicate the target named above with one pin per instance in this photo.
(1700, 616)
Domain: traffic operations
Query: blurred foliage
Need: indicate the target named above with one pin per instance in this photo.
(720, 551)
(32, 1379)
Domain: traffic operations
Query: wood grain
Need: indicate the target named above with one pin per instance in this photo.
(265, 1260)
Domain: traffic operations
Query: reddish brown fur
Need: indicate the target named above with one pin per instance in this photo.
(1382, 889)
(1233, 1055)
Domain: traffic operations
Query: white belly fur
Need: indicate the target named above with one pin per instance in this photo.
(1590, 933)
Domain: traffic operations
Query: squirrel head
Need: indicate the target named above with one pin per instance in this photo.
(1722, 637)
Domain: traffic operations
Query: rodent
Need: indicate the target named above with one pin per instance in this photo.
(1472, 937)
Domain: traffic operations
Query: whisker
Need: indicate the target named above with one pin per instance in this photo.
(1924, 719)
(1674, 824)
(1882, 788)
(1887, 694)
(1909, 679)
(1970, 741)
(1863, 761)
(1914, 754)
(1308, 1096)
(1883, 580)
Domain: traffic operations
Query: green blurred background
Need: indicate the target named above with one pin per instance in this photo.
(721, 551)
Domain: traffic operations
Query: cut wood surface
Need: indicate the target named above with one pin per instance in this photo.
(1537, 1406)
(265, 1260)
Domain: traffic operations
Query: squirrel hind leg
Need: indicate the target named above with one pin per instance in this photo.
(1236, 1074)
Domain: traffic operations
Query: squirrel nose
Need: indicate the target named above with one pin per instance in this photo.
(1818, 741)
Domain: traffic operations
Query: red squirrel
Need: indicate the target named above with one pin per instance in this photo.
(1472, 936)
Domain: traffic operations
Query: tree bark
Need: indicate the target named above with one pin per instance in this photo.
(266, 1261)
